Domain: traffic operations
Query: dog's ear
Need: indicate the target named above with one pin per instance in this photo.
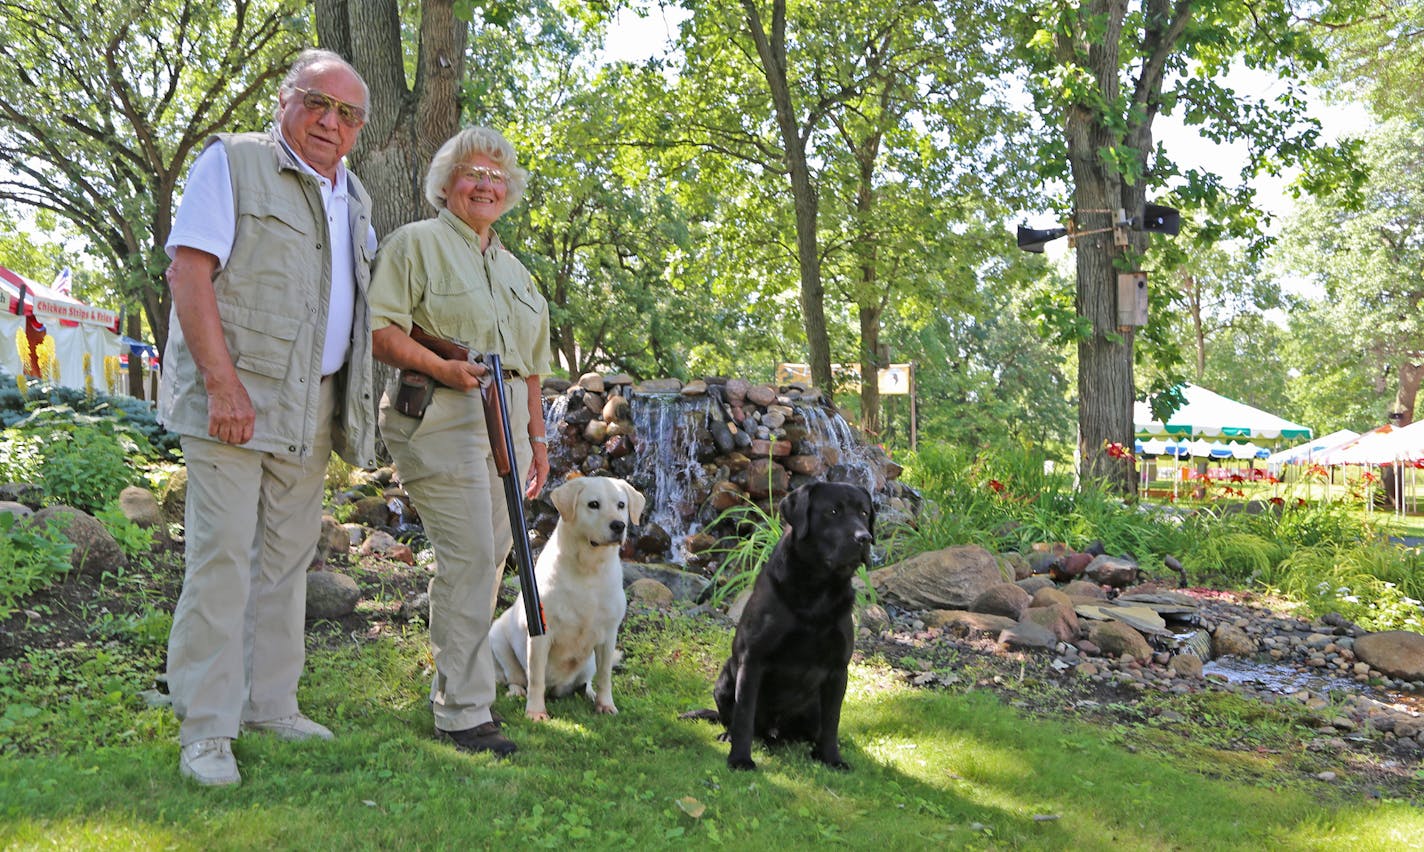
(870, 506)
(566, 496)
(636, 501)
(795, 509)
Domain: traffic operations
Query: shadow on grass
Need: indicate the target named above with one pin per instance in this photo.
(929, 769)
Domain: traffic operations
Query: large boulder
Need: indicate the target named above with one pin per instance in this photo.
(95, 550)
(951, 578)
(1397, 653)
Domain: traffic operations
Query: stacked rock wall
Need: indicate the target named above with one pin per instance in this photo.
(698, 449)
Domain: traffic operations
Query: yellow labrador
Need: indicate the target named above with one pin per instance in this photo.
(581, 587)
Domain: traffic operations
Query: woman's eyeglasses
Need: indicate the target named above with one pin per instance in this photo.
(481, 173)
(319, 102)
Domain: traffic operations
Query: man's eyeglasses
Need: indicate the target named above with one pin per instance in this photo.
(320, 102)
(481, 173)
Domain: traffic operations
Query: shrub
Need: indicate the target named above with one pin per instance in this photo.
(30, 559)
(84, 460)
(136, 414)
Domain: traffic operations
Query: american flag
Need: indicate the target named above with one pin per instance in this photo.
(62, 282)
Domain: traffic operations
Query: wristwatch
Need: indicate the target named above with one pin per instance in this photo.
(539, 439)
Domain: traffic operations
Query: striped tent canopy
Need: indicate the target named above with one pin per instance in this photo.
(1210, 415)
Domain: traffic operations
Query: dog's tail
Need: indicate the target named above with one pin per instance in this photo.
(706, 714)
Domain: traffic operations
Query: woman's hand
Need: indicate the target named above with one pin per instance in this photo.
(538, 470)
(460, 375)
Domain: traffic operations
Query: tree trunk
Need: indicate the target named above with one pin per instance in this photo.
(771, 48)
(1410, 375)
(1105, 385)
(406, 124)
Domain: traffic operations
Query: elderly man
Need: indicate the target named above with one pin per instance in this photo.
(268, 368)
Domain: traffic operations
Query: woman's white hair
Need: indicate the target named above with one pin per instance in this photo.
(460, 149)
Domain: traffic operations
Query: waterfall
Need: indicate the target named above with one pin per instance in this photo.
(847, 458)
(667, 429)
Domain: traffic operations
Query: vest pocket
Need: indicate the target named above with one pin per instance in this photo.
(259, 341)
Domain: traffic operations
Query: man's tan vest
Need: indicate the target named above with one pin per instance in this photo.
(272, 296)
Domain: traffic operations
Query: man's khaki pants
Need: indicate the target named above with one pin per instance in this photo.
(252, 521)
(445, 464)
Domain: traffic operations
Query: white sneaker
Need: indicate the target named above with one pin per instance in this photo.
(295, 727)
(209, 762)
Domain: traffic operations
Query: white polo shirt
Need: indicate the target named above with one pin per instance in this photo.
(206, 221)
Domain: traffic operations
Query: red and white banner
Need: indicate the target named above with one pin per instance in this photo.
(74, 312)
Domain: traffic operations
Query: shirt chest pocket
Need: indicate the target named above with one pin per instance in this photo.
(460, 303)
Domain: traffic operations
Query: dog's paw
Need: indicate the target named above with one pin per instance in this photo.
(740, 764)
(600, 707)
(537, 715)
(516, 689)
(836, 763)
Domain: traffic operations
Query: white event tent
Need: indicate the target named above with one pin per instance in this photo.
(1309, 451)
(1207, 414)
(30, 311)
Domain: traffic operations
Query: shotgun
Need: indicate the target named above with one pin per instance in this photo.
(502, 448)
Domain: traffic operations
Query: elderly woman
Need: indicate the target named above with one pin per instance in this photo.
(451, 277)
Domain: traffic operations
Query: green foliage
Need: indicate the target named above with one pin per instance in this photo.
(30, 559)
(758, 533)
(1011, 500)
(1232, 557)
(135, 415)
(84, 467)
(20, 456)
(1377, 587)
(135, 541)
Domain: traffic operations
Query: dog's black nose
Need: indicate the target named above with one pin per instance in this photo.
(617, 526)
(864, 537)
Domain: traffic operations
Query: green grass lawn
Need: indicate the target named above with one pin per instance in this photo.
(931, 769)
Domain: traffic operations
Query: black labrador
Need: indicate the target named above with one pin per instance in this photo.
(786, 677)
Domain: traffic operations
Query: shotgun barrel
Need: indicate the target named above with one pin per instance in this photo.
(506, 465)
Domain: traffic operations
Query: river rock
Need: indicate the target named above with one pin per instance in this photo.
(140, 506)
(684, 585)
(762, 395)
(1057, 618)
(1230, 640)
(1004, 599)
(1397, 653)
(962, 622)
(19, 510)
(659, 386)
(331, 595)
(1117, 639)
(650, 592)
(1113, 571)
(1084, 589)
(1027, 634)
(591, 382)
(939, 579)
(175, 496)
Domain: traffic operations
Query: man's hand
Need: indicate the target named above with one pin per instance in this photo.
(231, 418)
